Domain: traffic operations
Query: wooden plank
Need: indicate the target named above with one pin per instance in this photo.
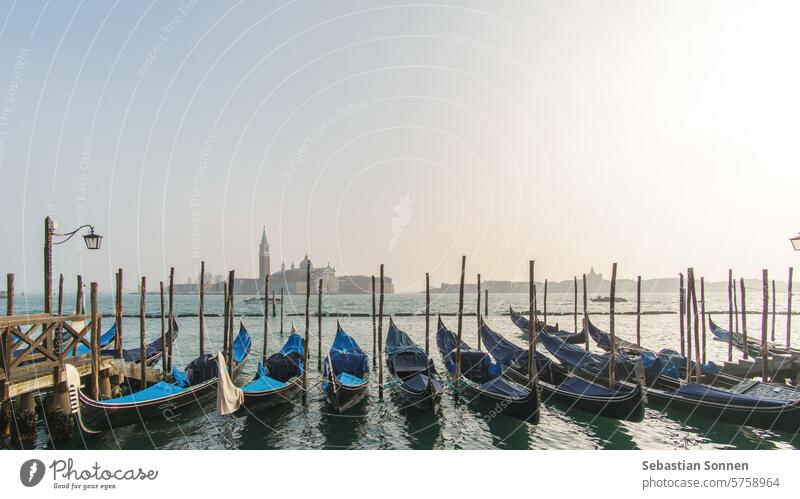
(45, 379)
(35, 319)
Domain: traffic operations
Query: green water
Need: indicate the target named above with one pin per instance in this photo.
(387, 424)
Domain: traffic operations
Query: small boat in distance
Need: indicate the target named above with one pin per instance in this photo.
(345, 372)
(260, 299)
(607, 299)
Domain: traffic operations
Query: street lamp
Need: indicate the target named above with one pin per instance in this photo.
(795, 242)
(91, 240)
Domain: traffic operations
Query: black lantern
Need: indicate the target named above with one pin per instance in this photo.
(795, 242)
(92, 240)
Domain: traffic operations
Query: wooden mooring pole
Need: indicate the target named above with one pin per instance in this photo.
(688, 294)
(273, 303)
(57, 413)
(6, 415)
(163, 329)
(735, 307)
(532, 373)
(380, 338)
(682, 307)
(282, 300)
(545, 302)
(575, 304)
(612, 361)
(95, 342)
(744, 316)
(374, 328)
(460, 319)
(142, 330)
(266, 318)
(773, 311)
(231, 315)
(202, 319)
(789, 310)
(225, 311)
(170, 327)
(319, 326)
(638, 310)
(703, 314)
(697, 369)
(118, 313)
(486, 303)
(478, 312)
(308, 327)
(730, 315)
(764, 316)
(427, 312)
(585, 316)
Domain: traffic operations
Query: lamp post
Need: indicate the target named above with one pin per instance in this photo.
(91, 239)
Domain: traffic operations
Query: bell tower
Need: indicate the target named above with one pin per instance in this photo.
(263, 258)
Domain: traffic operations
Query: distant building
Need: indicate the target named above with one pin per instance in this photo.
(361, 284)
(293, 280)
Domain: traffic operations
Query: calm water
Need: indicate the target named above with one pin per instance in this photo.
(386, 424)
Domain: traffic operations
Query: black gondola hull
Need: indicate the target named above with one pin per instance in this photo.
(99, 416)
(343, 397)
(627, 405)
(270, 398)
(427, 401)
(526, 408)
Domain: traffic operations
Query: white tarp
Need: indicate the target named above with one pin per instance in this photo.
(229, 396)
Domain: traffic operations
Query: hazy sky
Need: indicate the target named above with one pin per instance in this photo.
(659, 135)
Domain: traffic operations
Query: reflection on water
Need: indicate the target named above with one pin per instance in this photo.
(389, 424)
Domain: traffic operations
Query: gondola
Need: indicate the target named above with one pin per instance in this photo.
(279, 378)
(412, 371)
(750, 403)
(345, 372)
(482, 380)
(753, 347)
(153, 350)
(558, 385)
(674, 364)
(190, 387)
(523, 323)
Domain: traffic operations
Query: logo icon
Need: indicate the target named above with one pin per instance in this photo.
(31, 472)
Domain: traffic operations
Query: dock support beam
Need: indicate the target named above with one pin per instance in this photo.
(25, 419)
